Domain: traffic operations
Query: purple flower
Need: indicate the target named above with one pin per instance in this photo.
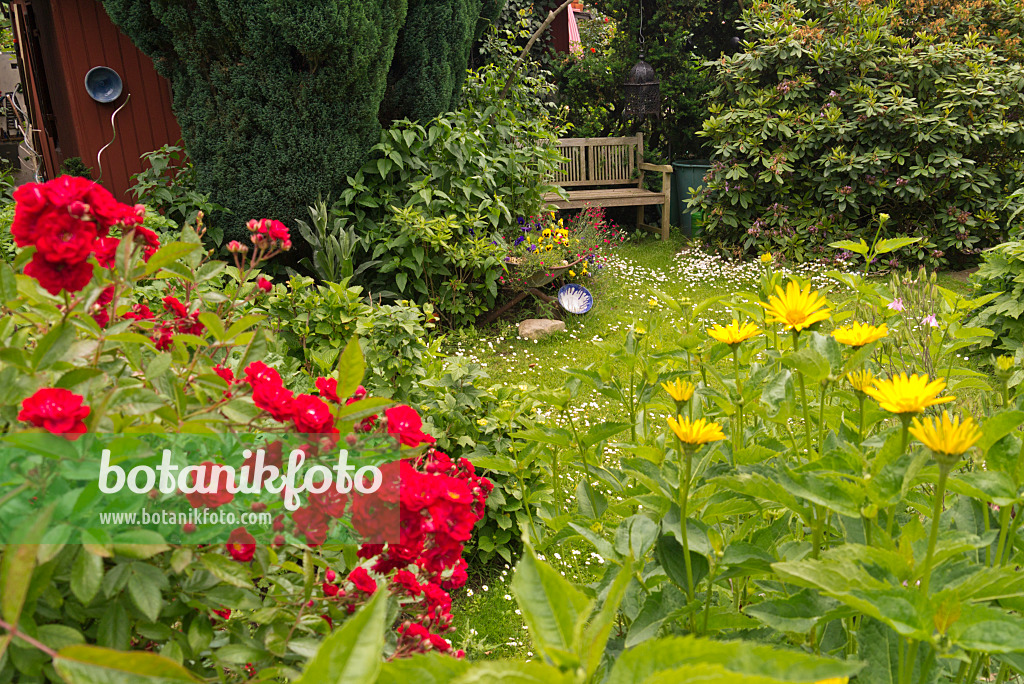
(519, 240)
(896, 305)
(930, 320)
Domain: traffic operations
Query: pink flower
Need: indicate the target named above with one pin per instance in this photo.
(264, 284)
(896, 305)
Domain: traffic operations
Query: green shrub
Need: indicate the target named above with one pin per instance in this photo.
(313, 322)
(395, 344)
(1001, 275)
(442, 261)
(431, 196)
(477, 420)
(169, 187)
(828, 118)
(267, 91)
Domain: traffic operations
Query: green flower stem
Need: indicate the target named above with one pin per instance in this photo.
(818, 531)
(583, 456)
(860, 399)
(1008, 552)
(686, 451)
(940, 492)
(821, 418)
(803, 397)
(707, 602)
(738, 437)
(904, 438)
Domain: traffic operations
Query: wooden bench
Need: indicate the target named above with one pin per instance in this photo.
(592, 163)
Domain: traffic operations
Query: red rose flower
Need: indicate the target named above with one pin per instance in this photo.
(258, 373)
(220, 494)
(106, 251)
(405, 424)
(312, 524)
(312, 415)
(362, 580)
(56, 410)
(56, 277)
(275, 400)
(174, 306)
(408, 581)
(223, 614)
(140, 312)
(149, 241)
(264, 284)
(241, 545)
(61, 239)
(330, 502)
(328, 388)
(225, 374)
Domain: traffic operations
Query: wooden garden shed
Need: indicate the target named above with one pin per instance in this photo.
(58, 42)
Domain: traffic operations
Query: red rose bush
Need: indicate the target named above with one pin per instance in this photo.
(108, 331)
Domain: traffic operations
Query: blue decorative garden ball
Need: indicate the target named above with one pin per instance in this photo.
(575, 298)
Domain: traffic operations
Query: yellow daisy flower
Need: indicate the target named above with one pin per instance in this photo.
(796, 308)
(1004, 363)
(680, 390)
(734, 333)
(901, 394)
(767, 258)
(860, 380)
(695, 432)
(950, 437)
(859, 334)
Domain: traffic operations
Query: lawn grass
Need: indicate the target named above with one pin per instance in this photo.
(488, 624)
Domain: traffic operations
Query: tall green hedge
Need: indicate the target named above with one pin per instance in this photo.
(431, 57)
(278, 100)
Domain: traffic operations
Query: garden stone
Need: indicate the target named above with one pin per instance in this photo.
(536, 328)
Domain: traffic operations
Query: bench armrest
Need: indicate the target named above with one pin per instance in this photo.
(664, 168)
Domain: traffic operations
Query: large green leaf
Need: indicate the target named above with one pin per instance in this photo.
(352, 654)
(83, 664)
(17, 566)
(741, 657)
(596, 633)
(351, 368)
(798, 612)
(988, 630)
(552, 608)
(513, 673)
(429, 668)
(86, 575)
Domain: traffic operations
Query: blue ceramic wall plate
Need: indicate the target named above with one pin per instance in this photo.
(575, 298)
(103, 84)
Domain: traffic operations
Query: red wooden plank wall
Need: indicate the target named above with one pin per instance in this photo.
(85, 38)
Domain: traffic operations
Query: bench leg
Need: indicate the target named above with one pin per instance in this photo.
(666, 211)
(640, 217)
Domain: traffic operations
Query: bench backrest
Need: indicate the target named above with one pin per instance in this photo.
(599, 161)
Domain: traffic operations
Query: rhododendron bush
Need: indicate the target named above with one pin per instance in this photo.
(110, 339)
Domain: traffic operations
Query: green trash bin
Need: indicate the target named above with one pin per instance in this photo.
(686, 174)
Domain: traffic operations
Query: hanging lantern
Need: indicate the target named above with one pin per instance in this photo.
(642, 91)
